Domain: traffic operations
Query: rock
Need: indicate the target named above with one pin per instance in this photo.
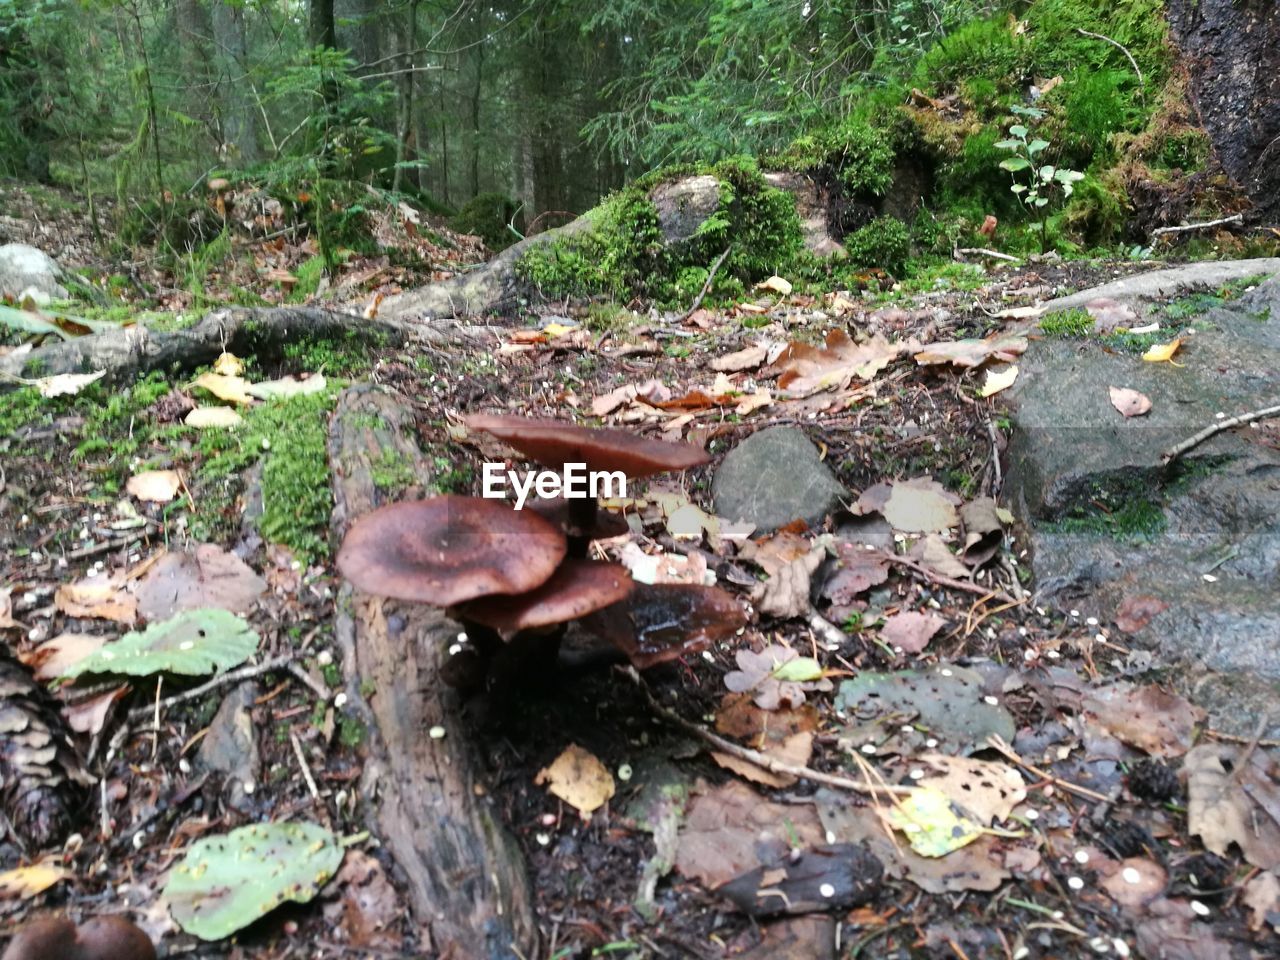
(773, 477)
(231, 746)
(1204, 275)
(1197, 545)
(23, 268)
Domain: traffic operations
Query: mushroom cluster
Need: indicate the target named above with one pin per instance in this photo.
(510, 575)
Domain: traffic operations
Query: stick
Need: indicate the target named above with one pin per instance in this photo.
(1234, 218)
(1119, 46)
(306, 770)
(998, 744)
(760, 759)
(960, 252)
(706, 287)
(244, 673)
(1177, 450)
(940, 580)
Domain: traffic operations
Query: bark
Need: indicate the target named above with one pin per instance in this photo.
(358, 30)
(406, 89)
(467, 884)
(240, 123)
(320, 25)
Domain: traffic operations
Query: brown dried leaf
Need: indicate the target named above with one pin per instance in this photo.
(745, 359)
(579, 779)
(23, 883)
(1148, 718)
(987, 790)
(90, 716)
(1130, 403)
(206, 577)
(154, 486)
(98, 599)
(1228, 803)
(805, 370)
(756, 675)
(54, 657)
(972, 352)
(1109, 315)
(911, 630)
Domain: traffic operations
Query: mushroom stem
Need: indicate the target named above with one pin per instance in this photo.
(582, 524)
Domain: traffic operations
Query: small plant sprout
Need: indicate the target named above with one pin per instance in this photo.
(1035, 183)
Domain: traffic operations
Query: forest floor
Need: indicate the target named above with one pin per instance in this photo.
(1087, 810)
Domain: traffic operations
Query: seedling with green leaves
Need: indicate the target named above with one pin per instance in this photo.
(1035, 183)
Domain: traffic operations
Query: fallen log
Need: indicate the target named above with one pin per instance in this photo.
(468, 889)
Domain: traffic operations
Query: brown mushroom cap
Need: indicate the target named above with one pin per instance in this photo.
(553, 443)
(662, 621)
(450, 549)
(577, 588)
(606, 524)
(99, 938)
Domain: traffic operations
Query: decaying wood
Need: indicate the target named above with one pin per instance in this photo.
(467, 884)
(1236, 218)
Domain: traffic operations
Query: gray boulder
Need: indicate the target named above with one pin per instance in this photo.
(24, 268)
(773, 477)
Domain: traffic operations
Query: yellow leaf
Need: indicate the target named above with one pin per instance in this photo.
(229, 365)
(776, 284)
(1163, 351)
(23, 883)
(231, 389)
(933, 825)
(202, 417)
(157, 486)
(999, 378)
(65, 384)
(554, 329)
(579, 779)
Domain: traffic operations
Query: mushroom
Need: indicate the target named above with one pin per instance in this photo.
(99, 938)
(576, 589)
(554, 443)
(450, 549)
(662, 621)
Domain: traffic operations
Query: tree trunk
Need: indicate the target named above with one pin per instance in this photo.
(321, 29)
(468, 888)
(475, 119)
(406, 86)
(357, 29)
(240, 120)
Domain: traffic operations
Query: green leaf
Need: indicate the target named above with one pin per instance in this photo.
(1035, 146)
(227, 882)
(1046, 173)
(1018, 188)
(932, 823)
(1009, 144)
(193, 643)
(800, 670)
(1068, 176)
(1013, 164)
(1019, 131)
(1068, 189)
(1041, 201)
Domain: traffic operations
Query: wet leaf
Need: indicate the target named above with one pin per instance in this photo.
(579, 779)
(665, 621)
(1149, 718)
(206, 576)
(23, 883)
(834, 877)
(195, 643)
(911, 630)
(1230, 803)
(1130, 403)
(986, 790)
(972, 352)
(932, 824)
(805, 370)
(205, 417)
(758, 675)
(799, 670)
(228, 881)
(230, 389)
(1163, 352)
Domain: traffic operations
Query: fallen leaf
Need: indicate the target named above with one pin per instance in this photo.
(1110, 315)
(1132, 882)
(1173, 931)
(997, 379)
(983, 531)
(987, 790)
(1262, 897)
(932, 552)
(89, 716)
(1163, 352)
(786, 593)
(364, 905)
(731, 829)
(23, 883)
(1136, 612)
(1149, 718)
(785, 735)
(932, 824)
(231, 389)
(6, 611)
(98, 599)
(206, 576)
(759, 675)
(746, 359)
(66, 384)
(54, 657)
(1019, 313)
(1130, 403)
(579, 779)
(777, 284)
(835, 877)
(921, 505)
(287, 387)
(911, 630)
(608, 402)
(203, 417)
(154, 486)
(972, 352)
(804, 370)
(1233, 803)
(228, 365)
(856, 571)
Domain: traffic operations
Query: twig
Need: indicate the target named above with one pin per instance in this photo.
(754, 756)
(105, 546)
(959, 253)
(1234, 218)
(306, 769)
(706, 287)
(1214, 429)
(830, 633)
(317, 688)
(997, 743)
(942, 581)
(235, 676)
(1119, 46)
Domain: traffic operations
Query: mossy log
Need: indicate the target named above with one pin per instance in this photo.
(132, 351)
(683, 205)
(469, 892)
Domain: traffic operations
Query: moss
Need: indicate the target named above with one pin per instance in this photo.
(981, 48)
(19, 408)
(392, 472)
(487, 216)
(345, 356)
(860, 154)
(1136, 518)
(289, 438)
(1067, 324)
(624, 255)
(309, 273)
(884, 242)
